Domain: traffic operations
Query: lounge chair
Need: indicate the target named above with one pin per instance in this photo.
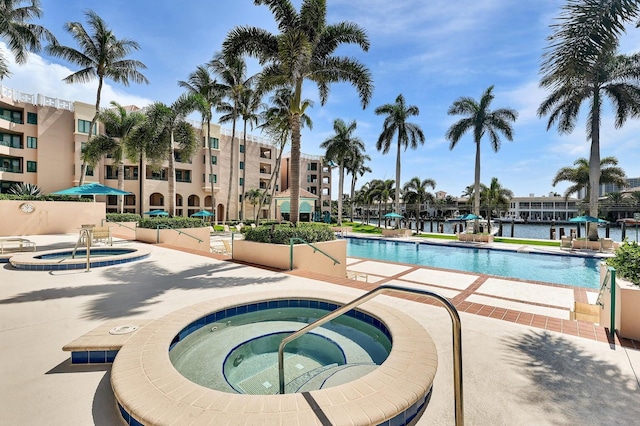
(607, 245)
(101, 234)
(355, 275)
(565, 242)
(227, 247)
(218, 248)
(226, 228)
(16, 244)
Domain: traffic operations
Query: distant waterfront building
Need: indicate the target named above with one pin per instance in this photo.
(543, 208)
(605, 189)
(41, 139)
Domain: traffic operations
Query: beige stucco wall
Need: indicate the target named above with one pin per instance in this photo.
(278, 256)
(627, 314)
(125, 230)
(48, 217)
(174, 238)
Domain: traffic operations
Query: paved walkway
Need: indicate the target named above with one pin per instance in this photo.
(516, 370)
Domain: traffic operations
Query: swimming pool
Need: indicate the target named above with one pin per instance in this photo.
(558, 269)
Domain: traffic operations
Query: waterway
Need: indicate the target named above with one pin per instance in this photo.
(536, 230)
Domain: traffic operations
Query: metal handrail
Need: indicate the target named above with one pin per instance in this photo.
(87, 236)
(611, 273)
(117, 223)
(315, 249)
(603, 287)
(162, 226)
(456, 334)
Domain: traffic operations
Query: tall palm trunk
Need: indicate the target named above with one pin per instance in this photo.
(397, 197)
(213, 197)
(476, 182)
(594, 167)
(231, 163)
(171, 178)
(244, 170)
(83, 167)
(353, 194)
(340, 186)
(294, 212)
(271, 184)
(142, 175)
(121, 185)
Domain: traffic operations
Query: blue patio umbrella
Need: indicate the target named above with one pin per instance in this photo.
(91, 189)
(157, 213)
(203, 214)
(586, 218)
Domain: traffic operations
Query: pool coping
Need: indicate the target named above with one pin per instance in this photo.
(150, 389)
(29, 262)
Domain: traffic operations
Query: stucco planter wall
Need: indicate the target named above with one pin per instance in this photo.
(172, 237)
(477, 238)
(627, 309)
(278, 255)
(48, 217)
(627, 314)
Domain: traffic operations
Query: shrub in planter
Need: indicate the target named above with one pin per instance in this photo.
(171, 222)
(281, 234)
(627, 262)
(123, 217)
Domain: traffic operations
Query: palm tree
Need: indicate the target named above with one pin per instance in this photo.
(581, 65)
(497, 197)
(173, 133)
(381, 190)
(480, 119)
(208, 94)
(415, 192)
(355, 165)
(338, 148)
(254, 196)
(634, 197)
(20, 34)
(119, 126)
(232, 71)
(302, 51)
(102, 55)
(409, 134)
(250, 103)
(579, 176)
(276, 122)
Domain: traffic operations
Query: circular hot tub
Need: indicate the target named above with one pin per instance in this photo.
(149, 388)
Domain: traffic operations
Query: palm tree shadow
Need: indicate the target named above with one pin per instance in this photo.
(571, 383)
(134, 288)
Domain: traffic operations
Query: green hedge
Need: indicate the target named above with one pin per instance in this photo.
(171, 222)
(627, 262)
(123, 217)
(281, 234)
(45, 198)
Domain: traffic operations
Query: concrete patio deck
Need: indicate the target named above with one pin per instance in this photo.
(516, 371)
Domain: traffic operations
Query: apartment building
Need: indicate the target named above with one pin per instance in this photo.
(534, 208)
(41, 139)
(315, 178)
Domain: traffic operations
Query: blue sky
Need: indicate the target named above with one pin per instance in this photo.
(432, 52)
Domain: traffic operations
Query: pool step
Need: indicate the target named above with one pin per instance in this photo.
(337, 375)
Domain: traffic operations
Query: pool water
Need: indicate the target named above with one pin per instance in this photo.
(562, 269)
(80, 253)
(239, 354)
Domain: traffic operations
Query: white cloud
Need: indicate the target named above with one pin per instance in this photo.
(41, 76)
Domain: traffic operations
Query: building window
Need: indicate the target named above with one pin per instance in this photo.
(111, 172)
(241, 182)
(212, 178)
(242, 165)
(11, 140)
(241, 148)
(32, 118)
(183, 175)
(214, 159)
(214, 143)
(84, 126)
(89, 171)
(131, 173)
(32, 166)
(240, 198)
(32, 142)
(10, 115)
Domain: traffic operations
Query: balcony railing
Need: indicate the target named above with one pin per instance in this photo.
(12, 144)
(10, 169)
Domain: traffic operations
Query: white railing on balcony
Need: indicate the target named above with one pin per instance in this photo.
(35, 99)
